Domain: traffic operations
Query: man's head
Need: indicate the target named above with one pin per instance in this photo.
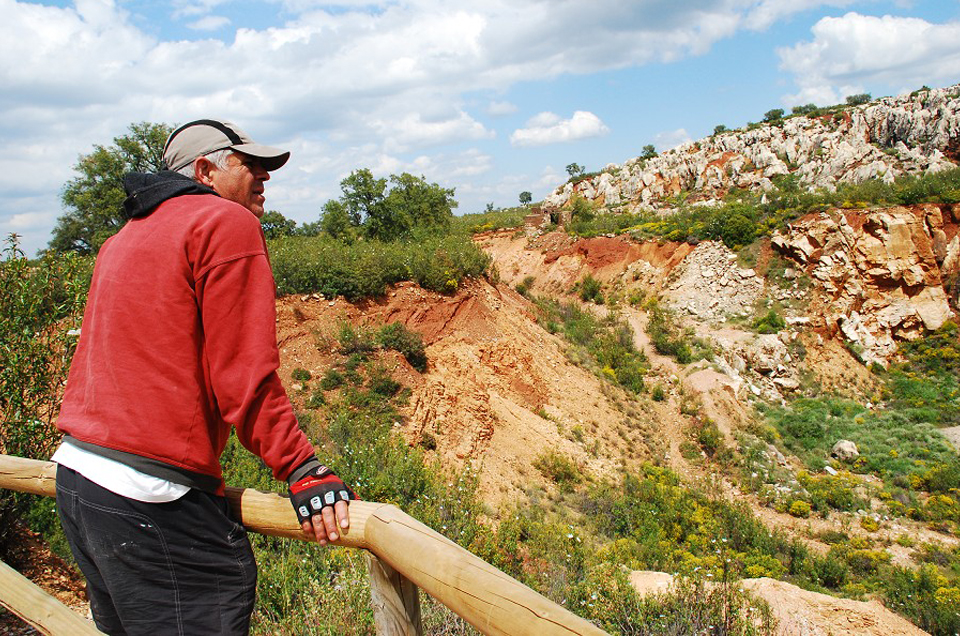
(223, 157)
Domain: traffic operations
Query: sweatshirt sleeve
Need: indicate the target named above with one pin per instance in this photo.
(237, 302)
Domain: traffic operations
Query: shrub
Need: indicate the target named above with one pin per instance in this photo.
(668, 338)
(354, 340)
(300, 375)
(771, 322)
(523, 287)
(331, 380)
(559, 469)
(800, 509)
(590, 290)
(409, 344)
(365, 268)
(42, 305)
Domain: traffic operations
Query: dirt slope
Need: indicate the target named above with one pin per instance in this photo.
(803, 613)
(499, 390)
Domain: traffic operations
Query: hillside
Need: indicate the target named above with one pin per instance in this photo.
(500, 391)
(884, 139)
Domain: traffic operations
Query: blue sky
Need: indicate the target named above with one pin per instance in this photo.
(489, 98)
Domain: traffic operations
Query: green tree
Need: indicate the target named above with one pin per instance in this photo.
(363, 195)
(649, 152)
(369, 207)
(719, 128)
(805, 109)
(575, 170)
(773, 115)
(526, 197)
(276, 225)
(858, 99)
(412, 203)
(94, 199)
(335, 220)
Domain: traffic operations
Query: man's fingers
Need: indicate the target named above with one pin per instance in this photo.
(326, 524)
(342, 509)
(330, 523)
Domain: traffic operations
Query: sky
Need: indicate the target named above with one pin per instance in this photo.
(489, 98)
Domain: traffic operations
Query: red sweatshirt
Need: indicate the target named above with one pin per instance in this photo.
(179, 344)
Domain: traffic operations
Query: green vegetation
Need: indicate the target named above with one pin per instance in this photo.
(365, 268)
(489, 220)
(604, 345)
(745, 216)
(771, 322)
(94, 199)
(773, 116)
(368, 208)
(42, 304)
(590, 290)
(919, 474)
(670, 339)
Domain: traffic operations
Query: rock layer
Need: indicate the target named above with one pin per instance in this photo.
(879, 274)
(907, 134)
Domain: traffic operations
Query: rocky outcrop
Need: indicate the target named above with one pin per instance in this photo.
(908, 134)
(710, 285)
(879, 274)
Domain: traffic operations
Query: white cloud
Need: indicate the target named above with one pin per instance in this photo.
(854, 51)
(549, 128)
(386, 84)
(767, 12)
(499, 109)
(209, 23)
(193, 8)
(670, 139)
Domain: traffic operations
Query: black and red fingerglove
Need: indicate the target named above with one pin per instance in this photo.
(313, 487)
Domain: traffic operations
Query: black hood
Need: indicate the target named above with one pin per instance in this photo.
(146, 191)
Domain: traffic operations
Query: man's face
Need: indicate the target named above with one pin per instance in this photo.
(241, 181)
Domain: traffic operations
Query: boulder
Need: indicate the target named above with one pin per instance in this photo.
(845, 450)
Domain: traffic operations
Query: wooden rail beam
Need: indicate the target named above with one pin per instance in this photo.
(485, 597)
(38, 608)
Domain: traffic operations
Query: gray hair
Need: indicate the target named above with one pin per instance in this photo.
(217, 158)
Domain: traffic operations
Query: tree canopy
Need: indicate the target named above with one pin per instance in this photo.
(94, 199)
(372, 208)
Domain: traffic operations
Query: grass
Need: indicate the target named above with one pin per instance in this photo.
(605, 344)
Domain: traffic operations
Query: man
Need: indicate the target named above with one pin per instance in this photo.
(178, 347)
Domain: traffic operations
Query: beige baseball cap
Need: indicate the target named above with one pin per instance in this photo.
(203, 136)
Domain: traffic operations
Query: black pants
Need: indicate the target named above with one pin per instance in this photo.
(183, 567)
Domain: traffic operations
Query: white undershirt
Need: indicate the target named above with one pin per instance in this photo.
(117, 477)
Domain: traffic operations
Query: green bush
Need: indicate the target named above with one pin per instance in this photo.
(523, 287)
(331, 380)
(771, 322)
(590, 290)
(559, 469)
(409, 344)
(669, 338)
(365, 268)
(607, 343)
(42, 304)
(924, 596)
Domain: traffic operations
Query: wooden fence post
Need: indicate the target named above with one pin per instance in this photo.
(490, 600)
(396, 601)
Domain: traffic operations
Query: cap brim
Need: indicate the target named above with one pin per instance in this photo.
(270, 158)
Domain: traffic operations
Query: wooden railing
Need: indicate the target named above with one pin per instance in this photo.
(403, 556)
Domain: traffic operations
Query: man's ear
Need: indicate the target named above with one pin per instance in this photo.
(202, 170)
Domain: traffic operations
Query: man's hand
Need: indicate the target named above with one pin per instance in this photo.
(320, 499)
